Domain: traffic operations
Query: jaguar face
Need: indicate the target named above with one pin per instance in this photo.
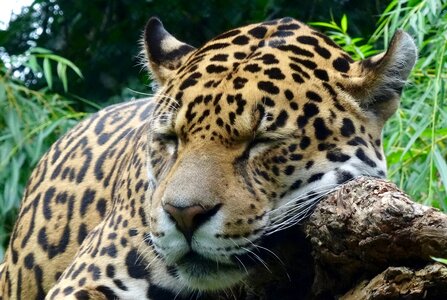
(249, 131)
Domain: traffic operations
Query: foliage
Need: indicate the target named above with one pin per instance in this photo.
(30, 122)
(339, 34)
(416, 138)
(47, 56)
(440, 260)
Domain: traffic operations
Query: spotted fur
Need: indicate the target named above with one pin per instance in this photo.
(172, 196)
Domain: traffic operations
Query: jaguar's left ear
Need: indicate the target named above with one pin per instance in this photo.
(164, 53)
(384, 75)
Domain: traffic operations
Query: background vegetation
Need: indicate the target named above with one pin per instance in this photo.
(42, 93)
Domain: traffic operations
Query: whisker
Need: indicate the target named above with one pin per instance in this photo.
(266, 249)
(245, 268)
(274, 255)
(319, 191)
(178, 293)
(238, 246)
(297, 209)
(289, 223)
(258, 258)
(150, 95)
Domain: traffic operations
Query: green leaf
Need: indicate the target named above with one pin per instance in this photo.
(326, 25)
(2, 92)
(40, 50)
(62, 74)
(441, 166)
(65, 62)
(438, 132)
(416, 135)
(344, 24)
(47, 72)
(441, 260)
(32, 64)
(13, 124)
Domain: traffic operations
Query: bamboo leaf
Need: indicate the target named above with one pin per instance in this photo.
(441, 260)
(62, 74)
(441, 166)
(47, 72)
(65, 62)
(2, 92)
(416, 135)
(40, 50)
(344, 24)
(325, 25)
(32, 64)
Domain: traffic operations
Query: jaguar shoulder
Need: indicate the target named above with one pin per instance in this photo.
(174, 196)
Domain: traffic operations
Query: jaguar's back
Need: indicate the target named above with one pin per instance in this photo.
(68, 194)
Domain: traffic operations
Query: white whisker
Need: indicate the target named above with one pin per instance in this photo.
(254, 254)
(266, 249)
(245, 268)
(298, 208)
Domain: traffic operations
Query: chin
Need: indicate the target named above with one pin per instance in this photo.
(212, 282)
(201, 274)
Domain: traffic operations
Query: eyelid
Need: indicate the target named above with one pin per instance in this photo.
(262, 140)
(271, 138)
(166, 136)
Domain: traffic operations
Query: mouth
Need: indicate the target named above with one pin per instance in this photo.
(200, 266)
(206, 274)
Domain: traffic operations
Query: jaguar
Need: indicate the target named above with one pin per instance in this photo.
(173, 196)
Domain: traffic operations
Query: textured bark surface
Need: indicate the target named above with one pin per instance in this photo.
(367, 240)
(403, 283)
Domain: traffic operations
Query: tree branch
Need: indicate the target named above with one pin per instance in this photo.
(367, 240)
(367, 226)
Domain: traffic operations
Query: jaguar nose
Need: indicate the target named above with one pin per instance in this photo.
(189, 218)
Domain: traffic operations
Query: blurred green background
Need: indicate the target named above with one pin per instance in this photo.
(61, 60)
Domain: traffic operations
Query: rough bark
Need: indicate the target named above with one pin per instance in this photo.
(367, 240)
(401, 282)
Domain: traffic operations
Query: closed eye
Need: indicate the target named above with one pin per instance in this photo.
(168, 137)
(262, 141)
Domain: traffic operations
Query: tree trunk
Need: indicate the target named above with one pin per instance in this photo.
(367, 240)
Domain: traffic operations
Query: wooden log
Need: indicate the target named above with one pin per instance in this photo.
(367, 226)
(361, 242)
(429, 282)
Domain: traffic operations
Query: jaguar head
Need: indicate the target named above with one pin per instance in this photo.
(249, 131)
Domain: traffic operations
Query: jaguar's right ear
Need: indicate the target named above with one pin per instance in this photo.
(164, 53)
(383, 76)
